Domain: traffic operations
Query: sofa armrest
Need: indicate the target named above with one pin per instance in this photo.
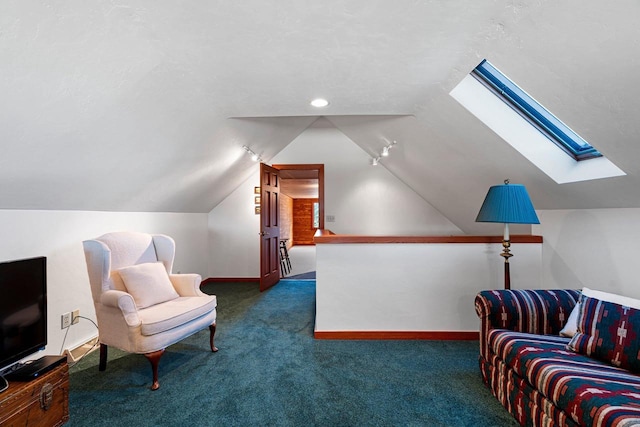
(187, 285)
(123, 302)
(533, 311)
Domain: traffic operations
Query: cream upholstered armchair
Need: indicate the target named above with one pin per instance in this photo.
(140, 306)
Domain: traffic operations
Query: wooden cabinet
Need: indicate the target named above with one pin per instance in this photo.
(43, 401)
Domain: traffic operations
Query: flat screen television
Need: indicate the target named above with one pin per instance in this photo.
(23, 309)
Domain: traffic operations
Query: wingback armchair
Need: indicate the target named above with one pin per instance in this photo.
(141, 307)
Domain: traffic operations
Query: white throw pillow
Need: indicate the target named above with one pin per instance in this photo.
(571, 327)
(148, 283)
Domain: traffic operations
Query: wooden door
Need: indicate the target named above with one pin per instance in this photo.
(269, 226)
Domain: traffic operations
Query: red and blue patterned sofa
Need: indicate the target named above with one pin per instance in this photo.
(544, 379)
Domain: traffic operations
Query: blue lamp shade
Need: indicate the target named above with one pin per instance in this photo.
(509, 204)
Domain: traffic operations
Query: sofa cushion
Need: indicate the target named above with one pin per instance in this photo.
(589, 391)
(571, 327)
(541, 311)
(608, 332)
(525, 403)
(168, 315)
(535, 311)
(129, 248)
(148, 283)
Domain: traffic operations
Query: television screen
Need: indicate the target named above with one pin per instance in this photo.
(23, 309)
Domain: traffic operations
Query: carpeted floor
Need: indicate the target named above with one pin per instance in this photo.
(270, 371)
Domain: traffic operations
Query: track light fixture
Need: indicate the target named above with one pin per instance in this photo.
(254, 156)
(384, 153)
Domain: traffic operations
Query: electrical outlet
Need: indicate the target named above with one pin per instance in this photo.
(75, 316)
(66, 320)
(331, 218)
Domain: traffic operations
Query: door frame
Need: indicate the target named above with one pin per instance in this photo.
(311, 167)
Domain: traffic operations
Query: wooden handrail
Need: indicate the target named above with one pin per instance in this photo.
(322, 232)
(327, 236)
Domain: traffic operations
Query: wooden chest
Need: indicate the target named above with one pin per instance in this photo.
(43, 401)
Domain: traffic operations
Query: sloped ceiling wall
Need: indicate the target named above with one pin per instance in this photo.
(144, 105)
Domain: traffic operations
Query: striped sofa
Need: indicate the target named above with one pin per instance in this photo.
(530, 370)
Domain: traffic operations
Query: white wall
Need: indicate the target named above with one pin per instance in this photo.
(58, 235)
(596, 248)
(413, 286)
(234, 244)
(364, 200)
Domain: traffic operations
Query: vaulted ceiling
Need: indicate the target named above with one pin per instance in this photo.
(145, 105)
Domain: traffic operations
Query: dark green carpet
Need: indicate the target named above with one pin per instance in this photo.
(271, 372)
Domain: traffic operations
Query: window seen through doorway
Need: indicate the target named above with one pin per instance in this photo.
(316, 215)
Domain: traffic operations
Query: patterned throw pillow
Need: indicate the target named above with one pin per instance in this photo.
(609, 332)
(571, 326)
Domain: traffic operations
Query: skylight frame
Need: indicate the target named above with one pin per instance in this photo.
(547, 123)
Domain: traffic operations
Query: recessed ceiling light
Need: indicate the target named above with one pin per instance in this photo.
(319, 103)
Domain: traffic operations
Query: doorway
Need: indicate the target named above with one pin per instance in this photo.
(301, 213)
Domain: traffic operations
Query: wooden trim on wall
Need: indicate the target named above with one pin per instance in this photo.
(398, 335)
(326, 236)
(320, 232)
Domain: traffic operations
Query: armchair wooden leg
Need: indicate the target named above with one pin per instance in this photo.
(154, 358)
(103, 357)
(212, 330)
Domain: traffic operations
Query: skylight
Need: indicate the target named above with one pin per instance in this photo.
(554, 129)
(529, 128)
